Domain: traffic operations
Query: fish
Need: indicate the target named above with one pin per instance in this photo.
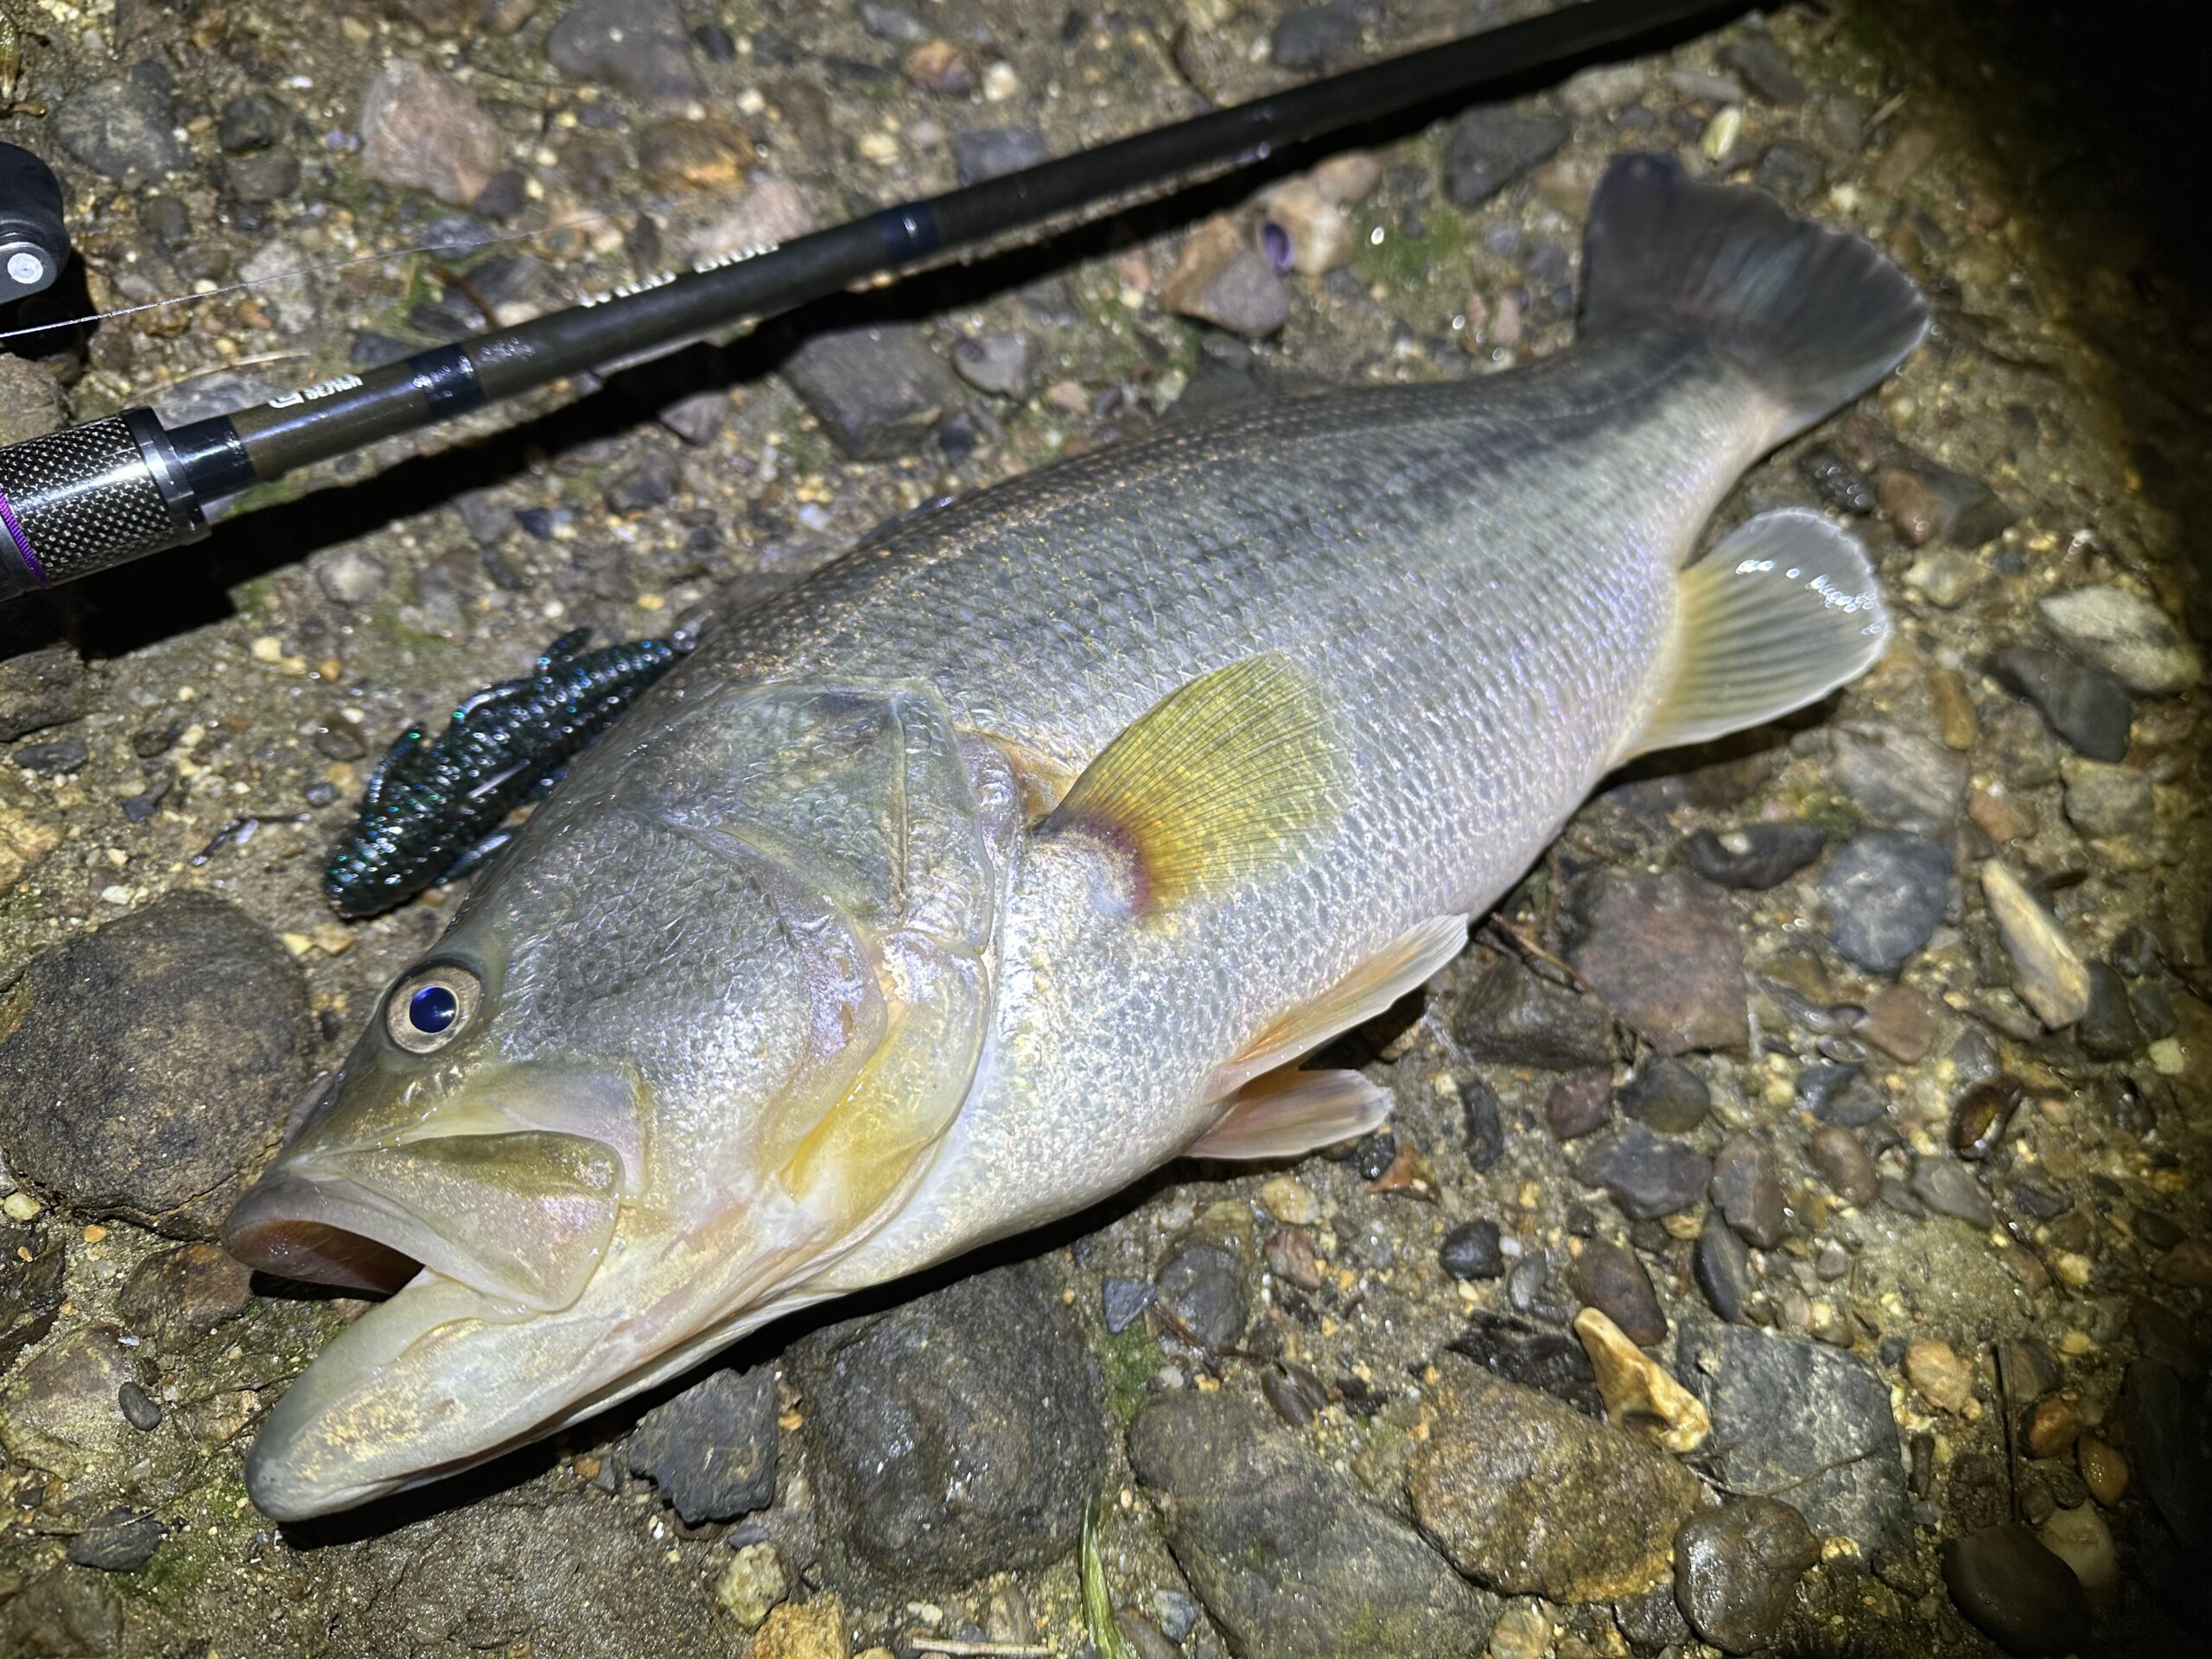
(1037, 841)
(433, 808)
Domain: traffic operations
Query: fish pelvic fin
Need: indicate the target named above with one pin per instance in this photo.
(1781, 613)
(1236, 775)
(1406, 963)
(1815, 315)
(1289, 1114)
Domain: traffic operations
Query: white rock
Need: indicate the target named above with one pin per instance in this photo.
(2127, 636)
(2047, 970)
(2080, 1538)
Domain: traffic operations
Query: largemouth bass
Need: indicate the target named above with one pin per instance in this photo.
(1030, 845)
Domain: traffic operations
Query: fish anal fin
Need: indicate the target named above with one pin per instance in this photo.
(1289, 1114)
(1407, 962)
(1781, 613)
(1233, 776)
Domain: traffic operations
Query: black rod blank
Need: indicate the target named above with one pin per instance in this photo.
(90, 496)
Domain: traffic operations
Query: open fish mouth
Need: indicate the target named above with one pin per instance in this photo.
(522, 1219)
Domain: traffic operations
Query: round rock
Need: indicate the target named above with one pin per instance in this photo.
(2016, 1593)
(1886, 892)
(1735, 1570)
(150, 1061)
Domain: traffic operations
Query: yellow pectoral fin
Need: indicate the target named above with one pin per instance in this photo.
(865, 1150)
(1407, 962)
(1236, 774)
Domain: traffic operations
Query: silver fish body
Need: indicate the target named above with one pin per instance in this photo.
(1013, 854)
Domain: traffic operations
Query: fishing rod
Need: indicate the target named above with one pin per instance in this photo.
(108, 491)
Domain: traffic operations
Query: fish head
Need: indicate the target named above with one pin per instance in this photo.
(651, 1078)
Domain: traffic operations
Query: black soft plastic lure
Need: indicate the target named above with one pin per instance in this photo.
(433, 811)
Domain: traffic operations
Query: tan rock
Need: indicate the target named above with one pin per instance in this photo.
(2189, 1265)
(1640, 1394)
(1219, 278)
(1320, 237)
(1939, 1376)
(2104, 1472)
(2053, 1426)
(814, 1630)
(705, 154)
(421, 130)
(2047, 972)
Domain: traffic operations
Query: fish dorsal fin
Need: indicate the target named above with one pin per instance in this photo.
(1233, 776)
(1289, 1114)
(1408, 960)
(1781, 614)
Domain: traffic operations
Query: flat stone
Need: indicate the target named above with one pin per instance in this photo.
(41, 686)
(1749, 1192)
(250, 121)
(1509, 1015)
(1122, 1302)
(2047, 972)
(1665, 1095)
(1901, 779)
(1721, 1264)
(641, 46)
(1609, 1278)
(1885, 892)
(2086, 706)
(1202, 1285)
(2102, 800)
(421, 130)
(1532, 1356)
(2107, 1029)
(61, 1410)
(996, 363)
(1736, 1571)
(177, 1296)
(1843, 1164)
(1764, 67)
(1314, 37)
(1842, 1095)
(1948, 1187)
(2127, 636)
(2016, 1592)
(712, 1449)
(1529, 1497)
(1664, 950)
(150, 1061)
(983, 153)
(121, 130)
(1802, 1420)
(350, 575)
(1220, 278)
(1938, 1374)
(954, 1435)
(121, 1541)
(1753, 857)
(1901, 1021)
(1579, 1103)
(1647, 1175)
(878, 390)
(1492, 146)
(1288, 1556)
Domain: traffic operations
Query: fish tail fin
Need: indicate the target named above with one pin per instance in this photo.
(1815, 315)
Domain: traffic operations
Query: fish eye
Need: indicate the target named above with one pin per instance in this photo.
(431, 1007)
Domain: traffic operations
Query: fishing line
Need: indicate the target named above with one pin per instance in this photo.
(92, 496)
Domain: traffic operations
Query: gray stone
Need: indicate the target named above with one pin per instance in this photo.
(62, 756)
(1471, 1250)
(206, 395)
(1288, 1556)
(1843, 1095)
(121, 130)
(150, 1061)
(1509, 1014)
(2104, 800)
(1664, 950)
(1721, 1264)
(1764, 67)
(1902, 779)
(1652, 1620)
(1666, 1096)
(1755, 856)
(1749, 1192)
(954, 1435)
(2108, 1031)
(2127, 636)
(1314, 37)
(2086, 706)
(175, 1297)
(2017, 1592)
(1647, 1175)
(1801, 1420)
(1492, 146)
(121, 1541)
(1529, 1497)
(62, 1410)
(40, 687)
(878, 391)
(1122, 1302)
(995, 363)
(983, 153)
(640, 47)
(1203, 1286)
(1948, 1187)
(1608, 1277)
(712, 1449)
(1735, 1570)
(421, 130)
(252, 121)
(270, 175)
(31, 401)
(1885, 892)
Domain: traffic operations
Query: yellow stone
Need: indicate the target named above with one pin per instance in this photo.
(814, 1630)
(20, 1206)
(1639, 1393)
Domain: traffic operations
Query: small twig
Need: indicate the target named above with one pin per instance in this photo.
(922, 1644)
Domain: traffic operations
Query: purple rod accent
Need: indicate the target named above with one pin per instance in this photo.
(22, 541)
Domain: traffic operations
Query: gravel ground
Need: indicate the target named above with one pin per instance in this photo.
(1791, 1232)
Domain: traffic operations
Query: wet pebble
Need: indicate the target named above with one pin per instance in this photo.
(1343, 1577)
(1842, 1095)
(1938, 1374)
(1311, 38)
(1122, 1302)
(1509, 1015)
(121, 1541)
(1901, 779)
(251, 121)
(1749, 1192)
(1885, 892)
(1483, 1123)
(1579, 1104)
(1665, 1095)
(1529, 1496)
(878, 390)
(2104, 1470)
(1609, 1278)
(1736, 1571)
(1948, 1188)
(638, 46)
(2102, 800)
(140, 1410)
(983, 153)
(60, 1411)
(712, 1449)
(1664, 950)
(1721, 1263)
(149, 1100)
(2086, 706)
(1764, 67)
(2126, 635)
(2016, 1592)
(1295, 1393)
(421, 130)
(1651, 1621)
(2054, 1425)
(1220, 278)
(2047, 972)
(1755, 856)
(120, 129)
(1203, 1286)
(1926, 501)
(177, 1296)
(65, 754)
(1471, 1250)
(1489, 147)
(2079, 1537)
(1647, 1175)
(1843, 1164)
(996, 363)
